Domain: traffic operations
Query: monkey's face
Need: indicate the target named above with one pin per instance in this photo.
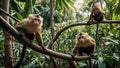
(95, 6)
(81, 37)
(35, 20)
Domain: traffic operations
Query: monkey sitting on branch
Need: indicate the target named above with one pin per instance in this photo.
(97, 13)
(30, 27)
(84, 44)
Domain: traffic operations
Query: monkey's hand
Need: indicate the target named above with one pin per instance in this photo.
(73, 55)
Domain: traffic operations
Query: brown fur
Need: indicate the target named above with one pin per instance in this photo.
(84, 44)
(97, 13)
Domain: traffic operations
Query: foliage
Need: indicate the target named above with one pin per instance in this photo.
(22, 8)
(45, 13)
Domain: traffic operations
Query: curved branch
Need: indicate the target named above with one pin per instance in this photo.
(77, 24)
(1, 10)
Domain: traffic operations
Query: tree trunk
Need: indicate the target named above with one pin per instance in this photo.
(8, 38)
(52, 30)
(52, 18)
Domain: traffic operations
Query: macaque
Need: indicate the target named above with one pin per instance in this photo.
(97, 13)
(30, 27)
(84, 44)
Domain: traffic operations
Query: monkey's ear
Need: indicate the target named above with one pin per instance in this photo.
(41, 19)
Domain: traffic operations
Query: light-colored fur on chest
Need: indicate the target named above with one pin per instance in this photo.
(29, 28)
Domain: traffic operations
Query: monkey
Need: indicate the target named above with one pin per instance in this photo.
(97, 14)
(30, 27)
(84, 44)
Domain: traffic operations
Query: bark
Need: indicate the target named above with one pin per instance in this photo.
(8, 39)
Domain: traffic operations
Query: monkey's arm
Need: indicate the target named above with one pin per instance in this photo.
(39, 39)
(91, 18)
(75, 50)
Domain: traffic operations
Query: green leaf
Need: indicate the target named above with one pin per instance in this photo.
(19, 16)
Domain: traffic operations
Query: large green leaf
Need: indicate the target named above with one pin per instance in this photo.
(19, 16)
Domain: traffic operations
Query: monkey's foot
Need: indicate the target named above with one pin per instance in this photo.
(73, 56)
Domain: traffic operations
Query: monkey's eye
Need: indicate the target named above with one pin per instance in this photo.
(35, 19)
(82, 36)
(38, 20)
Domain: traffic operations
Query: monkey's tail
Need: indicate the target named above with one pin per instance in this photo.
(21, 57)
(97, 27)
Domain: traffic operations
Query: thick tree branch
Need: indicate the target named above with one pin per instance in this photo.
(2, 11)
(25, 41)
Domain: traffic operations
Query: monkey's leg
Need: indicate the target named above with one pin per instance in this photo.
(21, 57)
(90, 51)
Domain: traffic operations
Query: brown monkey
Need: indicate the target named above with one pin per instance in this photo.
(84, 44)
(30, 27)
(97, 13)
